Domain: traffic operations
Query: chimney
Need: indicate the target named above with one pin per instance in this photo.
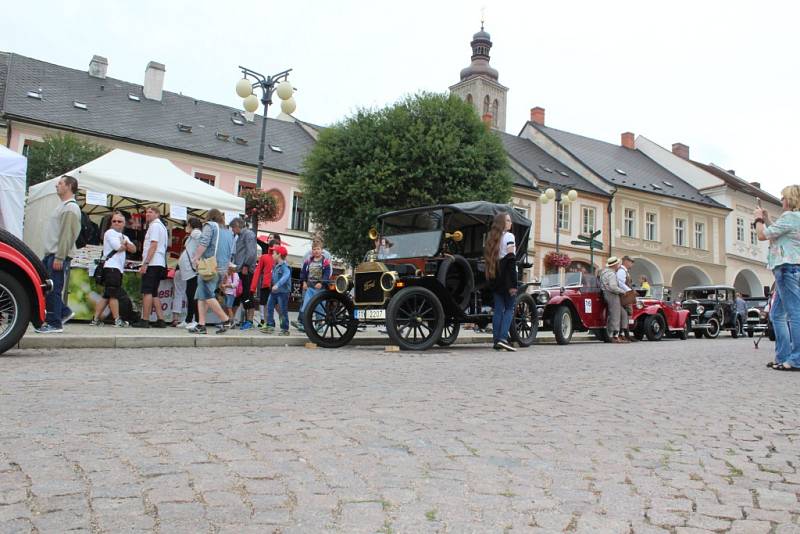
(154, 81)
(731, 171)
(680, 150)
(537, 115)
(756, 184)
(487, 119)
(98, 67)
(628, 141)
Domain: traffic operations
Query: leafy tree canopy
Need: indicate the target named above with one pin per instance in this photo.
(426, 149)
(58, 154)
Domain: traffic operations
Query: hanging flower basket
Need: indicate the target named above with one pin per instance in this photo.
(556, 260)
(263, 204)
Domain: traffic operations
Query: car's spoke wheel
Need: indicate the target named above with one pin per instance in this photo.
(525, 324)
(15, 311)
(562, 325)
(449, 332)
(415, 319)
(713, 328)
(329, 320)
(654, 327)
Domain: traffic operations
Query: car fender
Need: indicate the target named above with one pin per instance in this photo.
(449, 305)
(17, 264)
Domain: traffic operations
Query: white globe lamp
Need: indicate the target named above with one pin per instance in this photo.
(284, 90)
(243, 88)
(251, 103)
(288, 106)
(572, 195)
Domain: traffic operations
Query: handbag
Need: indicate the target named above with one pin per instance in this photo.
(207, 267)
(628, 298)
(100, 264)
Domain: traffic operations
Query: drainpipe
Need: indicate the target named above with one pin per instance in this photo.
(610, 211)
(8, 134)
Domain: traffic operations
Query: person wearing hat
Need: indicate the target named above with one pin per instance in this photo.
(611, 293)
(626, 283)
(279, 294)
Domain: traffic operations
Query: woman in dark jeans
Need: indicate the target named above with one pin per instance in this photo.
(193, 227)
(783, 259)
(501, 273)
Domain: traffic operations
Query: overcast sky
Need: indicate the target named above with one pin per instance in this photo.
(720, 76)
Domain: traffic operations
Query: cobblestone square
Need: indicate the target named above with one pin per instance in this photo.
(681, 437)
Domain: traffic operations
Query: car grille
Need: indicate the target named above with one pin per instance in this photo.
(368, 287)
(692, 307)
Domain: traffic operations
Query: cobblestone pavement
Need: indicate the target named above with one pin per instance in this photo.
(683, 437)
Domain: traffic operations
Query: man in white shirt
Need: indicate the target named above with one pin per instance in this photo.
(624, 280)
(113, 241)
(153, 269)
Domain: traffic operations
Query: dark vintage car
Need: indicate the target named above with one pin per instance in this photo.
(756, 315)
(23, 284)
(712, 309)
(423, 281)
(576, 304)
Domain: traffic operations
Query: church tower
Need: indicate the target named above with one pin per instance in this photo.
(479, 85)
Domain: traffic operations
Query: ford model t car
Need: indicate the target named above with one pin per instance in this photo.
(23, 283)
(423, 280)
(712, 309)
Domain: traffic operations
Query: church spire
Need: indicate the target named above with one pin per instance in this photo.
(481, 45)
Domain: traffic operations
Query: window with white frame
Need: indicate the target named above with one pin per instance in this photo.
(753, 237)
(564, 215)
(650, 226)
(588, 218)
(299, 213)
(205, 177)
(244, 187)
(700, 235)
(739, 229)
(629, 222)
(680, 232)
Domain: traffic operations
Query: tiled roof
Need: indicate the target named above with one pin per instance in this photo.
(111, 113)
(623, 167)
(736, 182)
(4, 58)
(542, 165)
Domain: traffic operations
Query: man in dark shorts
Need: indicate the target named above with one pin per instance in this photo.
(114, 241)
(153, 269)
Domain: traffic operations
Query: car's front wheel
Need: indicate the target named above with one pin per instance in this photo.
(415, 319)
(712, 332)
(654, 327)
(562, 325)
(449, 332)
(525, 324)
(683, 335)
(329, 320)
(15, 311)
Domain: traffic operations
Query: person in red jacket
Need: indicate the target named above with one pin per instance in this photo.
(262, 277)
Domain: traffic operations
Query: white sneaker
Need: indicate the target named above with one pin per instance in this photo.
(182, 324)
(119, 323)
(189, 326)
(68, 318)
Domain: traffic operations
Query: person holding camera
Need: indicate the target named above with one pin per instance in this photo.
(783, 259)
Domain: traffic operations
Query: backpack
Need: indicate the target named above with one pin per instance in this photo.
(87, 234)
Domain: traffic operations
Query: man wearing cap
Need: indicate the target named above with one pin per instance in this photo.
(625, 282)
(611, 293)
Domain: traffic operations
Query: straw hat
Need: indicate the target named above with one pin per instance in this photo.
(612, 261)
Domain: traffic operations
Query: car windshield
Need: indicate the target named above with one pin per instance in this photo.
(756, 303)
(554, 280)
(411, 235)
(705, 294)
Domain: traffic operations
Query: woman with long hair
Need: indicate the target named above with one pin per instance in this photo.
(501, 273)
(210, 245)
(783, 258)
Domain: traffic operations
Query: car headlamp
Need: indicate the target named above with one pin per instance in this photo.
(542, 298)
(343, 283)
(701, 308)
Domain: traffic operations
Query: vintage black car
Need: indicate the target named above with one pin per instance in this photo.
(712, 309)
(424, 279)
(757, 317)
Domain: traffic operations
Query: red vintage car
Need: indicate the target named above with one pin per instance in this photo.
(576, 304)
(655, 318)
(23, 284)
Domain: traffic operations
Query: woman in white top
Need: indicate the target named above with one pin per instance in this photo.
(113, 241)
(501, 273)
(187, 272)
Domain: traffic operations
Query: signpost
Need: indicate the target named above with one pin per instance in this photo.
(592, 243)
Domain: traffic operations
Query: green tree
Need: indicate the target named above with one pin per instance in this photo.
(58, 154)
(426, 149)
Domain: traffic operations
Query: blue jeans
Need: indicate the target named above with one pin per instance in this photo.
(54, 303)
(282, 299)
(785, 314)
(503, 315)
(308, 294)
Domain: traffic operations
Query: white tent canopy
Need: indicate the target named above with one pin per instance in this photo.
(13, 168)
(129, 179)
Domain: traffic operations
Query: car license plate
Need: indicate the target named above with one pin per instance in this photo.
(369, 315)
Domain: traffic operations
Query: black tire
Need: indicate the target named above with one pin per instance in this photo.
(699, 333)
(15, 311)
(654, 327)
(638, 332)
(683, 335)
(329, 320)
(525, 323)
(563, 325)
(449, 332)
(414, 319)
(737, 327)
(713, 331)
(455, 274)
(750, 332)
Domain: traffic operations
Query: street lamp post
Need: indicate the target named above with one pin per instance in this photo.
(560, 195)
(268, 85)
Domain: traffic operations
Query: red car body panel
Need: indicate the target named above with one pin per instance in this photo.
(587, 304)
(11, 255)
(674, 317)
